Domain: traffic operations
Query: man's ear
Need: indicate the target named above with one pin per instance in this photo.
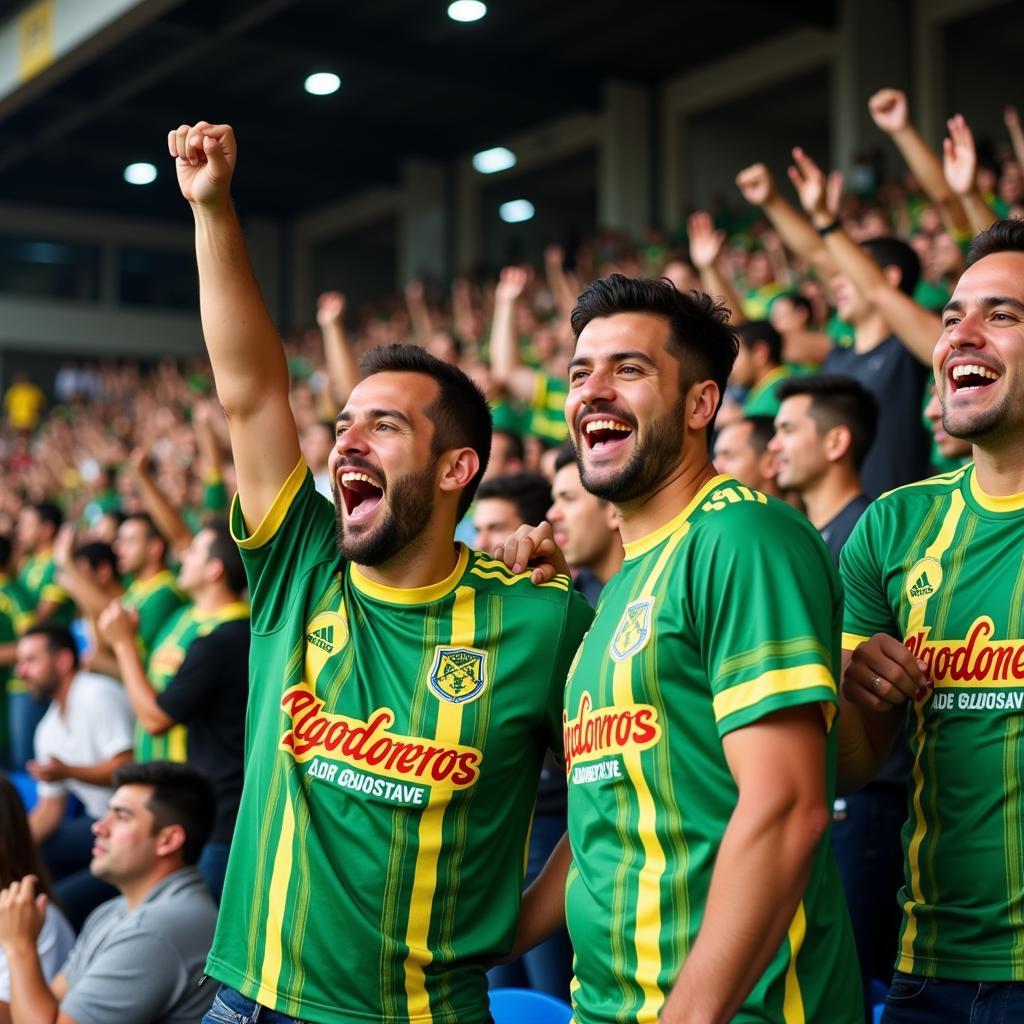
(169, 840)
(838, 442)
(456, 468)
(893, 275)
(701, 404)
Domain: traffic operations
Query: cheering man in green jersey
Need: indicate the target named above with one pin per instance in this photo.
(401, 697)
(934, 627)
(698, 722)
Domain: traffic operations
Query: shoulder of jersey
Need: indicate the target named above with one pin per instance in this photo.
(734, 507)
(486, 573)
(942, 483)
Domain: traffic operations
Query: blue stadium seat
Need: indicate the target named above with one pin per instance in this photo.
(879, 990)
(26, 787)
(523, 1006)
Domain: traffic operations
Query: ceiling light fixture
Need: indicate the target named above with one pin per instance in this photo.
(322, 83)
(490, 161)
(466, 10)
(516, 211)
(140, 174)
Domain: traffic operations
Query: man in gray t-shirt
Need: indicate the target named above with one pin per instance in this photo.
(140, 956)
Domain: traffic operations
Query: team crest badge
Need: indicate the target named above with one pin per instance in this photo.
(459, 674)
(923, 580)
(634, 629)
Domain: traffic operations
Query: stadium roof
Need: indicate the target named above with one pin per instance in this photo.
(415, 84)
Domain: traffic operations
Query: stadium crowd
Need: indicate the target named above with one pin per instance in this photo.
(143, 613)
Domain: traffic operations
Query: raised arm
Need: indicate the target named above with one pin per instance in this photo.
(1012, 121)
(342, 369)
(890, 112)
(917, 328)
(248, 361)
(706, 246)
(758, 188)
(960, 166)
(419, 314)
(564, 286)
(167, 519)
(506, 365)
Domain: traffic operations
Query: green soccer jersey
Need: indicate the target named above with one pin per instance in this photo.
(547, 410)
(166, 657)
(727, 613)
(394, 743)
(38, 578)
(15, 617)
(937, 564)
(154, 601)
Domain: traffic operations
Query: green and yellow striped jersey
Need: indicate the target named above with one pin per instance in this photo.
(169, 650)
(16, 615)
(729, 612)
(38, 578)
(547, 410)
(154, 601)
(938, 565)
(393, 747)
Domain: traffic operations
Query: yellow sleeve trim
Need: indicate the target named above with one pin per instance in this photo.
(851, 641)
(272, 521)
(771, 684)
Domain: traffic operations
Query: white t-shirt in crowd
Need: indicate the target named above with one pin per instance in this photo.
(53, 946)
(96, 723)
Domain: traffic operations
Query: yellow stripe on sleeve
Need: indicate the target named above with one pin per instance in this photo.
(424, 883)
(770, 684)
(277, 904)
(272, 521)
(793, 1000)
(851, 641)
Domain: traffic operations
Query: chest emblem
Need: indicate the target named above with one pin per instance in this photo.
(634, 629)
(924, 578)
(458, 674)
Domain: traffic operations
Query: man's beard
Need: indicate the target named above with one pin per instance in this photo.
(653, 459)
(988, 423)
(409, 508)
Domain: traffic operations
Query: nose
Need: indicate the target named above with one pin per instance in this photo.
(553, 514)
(965, 334)
(99, 826)
(597, 387)
(351, 439)
(775, 445)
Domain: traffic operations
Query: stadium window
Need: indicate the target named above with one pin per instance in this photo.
(151, 277)
(46, 268)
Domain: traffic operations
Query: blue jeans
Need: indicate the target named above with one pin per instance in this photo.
(213, 863)
(23, 715)
(547, 967)
(916, 1000)
(866, 842)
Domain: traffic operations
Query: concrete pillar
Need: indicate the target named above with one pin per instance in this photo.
(422, 238)
(624, 164)
(873, 51)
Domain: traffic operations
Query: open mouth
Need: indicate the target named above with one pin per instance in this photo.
(360, 492)
(971, 377)
(604, 434)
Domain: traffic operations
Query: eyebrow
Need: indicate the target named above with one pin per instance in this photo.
(956, 306)
(615, 357)
(374, 414)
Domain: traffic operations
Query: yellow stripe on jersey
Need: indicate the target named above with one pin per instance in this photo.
(558, 583)
(774, 649)
(271, 523)
(276, 906)
(994, 502)
(636, 548)
(935, 550)
(851, 641)
(410, 595)
(177, 743)
(793, 1000)
(424, 882)
(780, 680)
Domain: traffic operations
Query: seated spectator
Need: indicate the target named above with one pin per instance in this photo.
(792, 315)
(18, 858)
(759, 367)
(19, 713)
(85, 735)
(585, 528)
(140, 957)
(504, 503)
(741, 451)
(37, 533)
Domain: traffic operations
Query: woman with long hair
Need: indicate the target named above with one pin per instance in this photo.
(18, 858)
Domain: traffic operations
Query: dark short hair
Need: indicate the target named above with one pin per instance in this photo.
(460, 413)
(799, 302)
(701, 337)
(761, 332)
(225, 550)
(50, 513)
(182, 795)
(97, 554)
(762, 430)
(147, 521)
(838, 401)
(566, 454)
(516, 448)
(1002, 236)
(58, 638)
(529, 494)
(891, 252)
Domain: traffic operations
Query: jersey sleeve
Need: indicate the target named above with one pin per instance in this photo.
(297, 534)
(765, 598)
(578, 617)
(867, 610)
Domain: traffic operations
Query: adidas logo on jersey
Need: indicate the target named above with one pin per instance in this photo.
(921, 587)
(322, 638)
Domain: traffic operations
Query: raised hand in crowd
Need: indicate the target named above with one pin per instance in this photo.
(342, 368)
(507, 368)
(960, 166)
(707, 246)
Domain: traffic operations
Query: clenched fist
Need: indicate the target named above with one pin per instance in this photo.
(205, 157)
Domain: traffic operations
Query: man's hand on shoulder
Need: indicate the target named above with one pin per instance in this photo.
(533, 547)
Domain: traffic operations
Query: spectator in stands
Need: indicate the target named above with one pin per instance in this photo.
(23, 404)
(197, 677)
(37, 532)
(85, 735)
(504, 503)
(792, 315)
(20, 713)
(741, 451)
(19, 857)
(507, 454)
(759, 367)
(824, 430)
(140, 957)
(955, 450)
(317, 442)
(585, 528)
